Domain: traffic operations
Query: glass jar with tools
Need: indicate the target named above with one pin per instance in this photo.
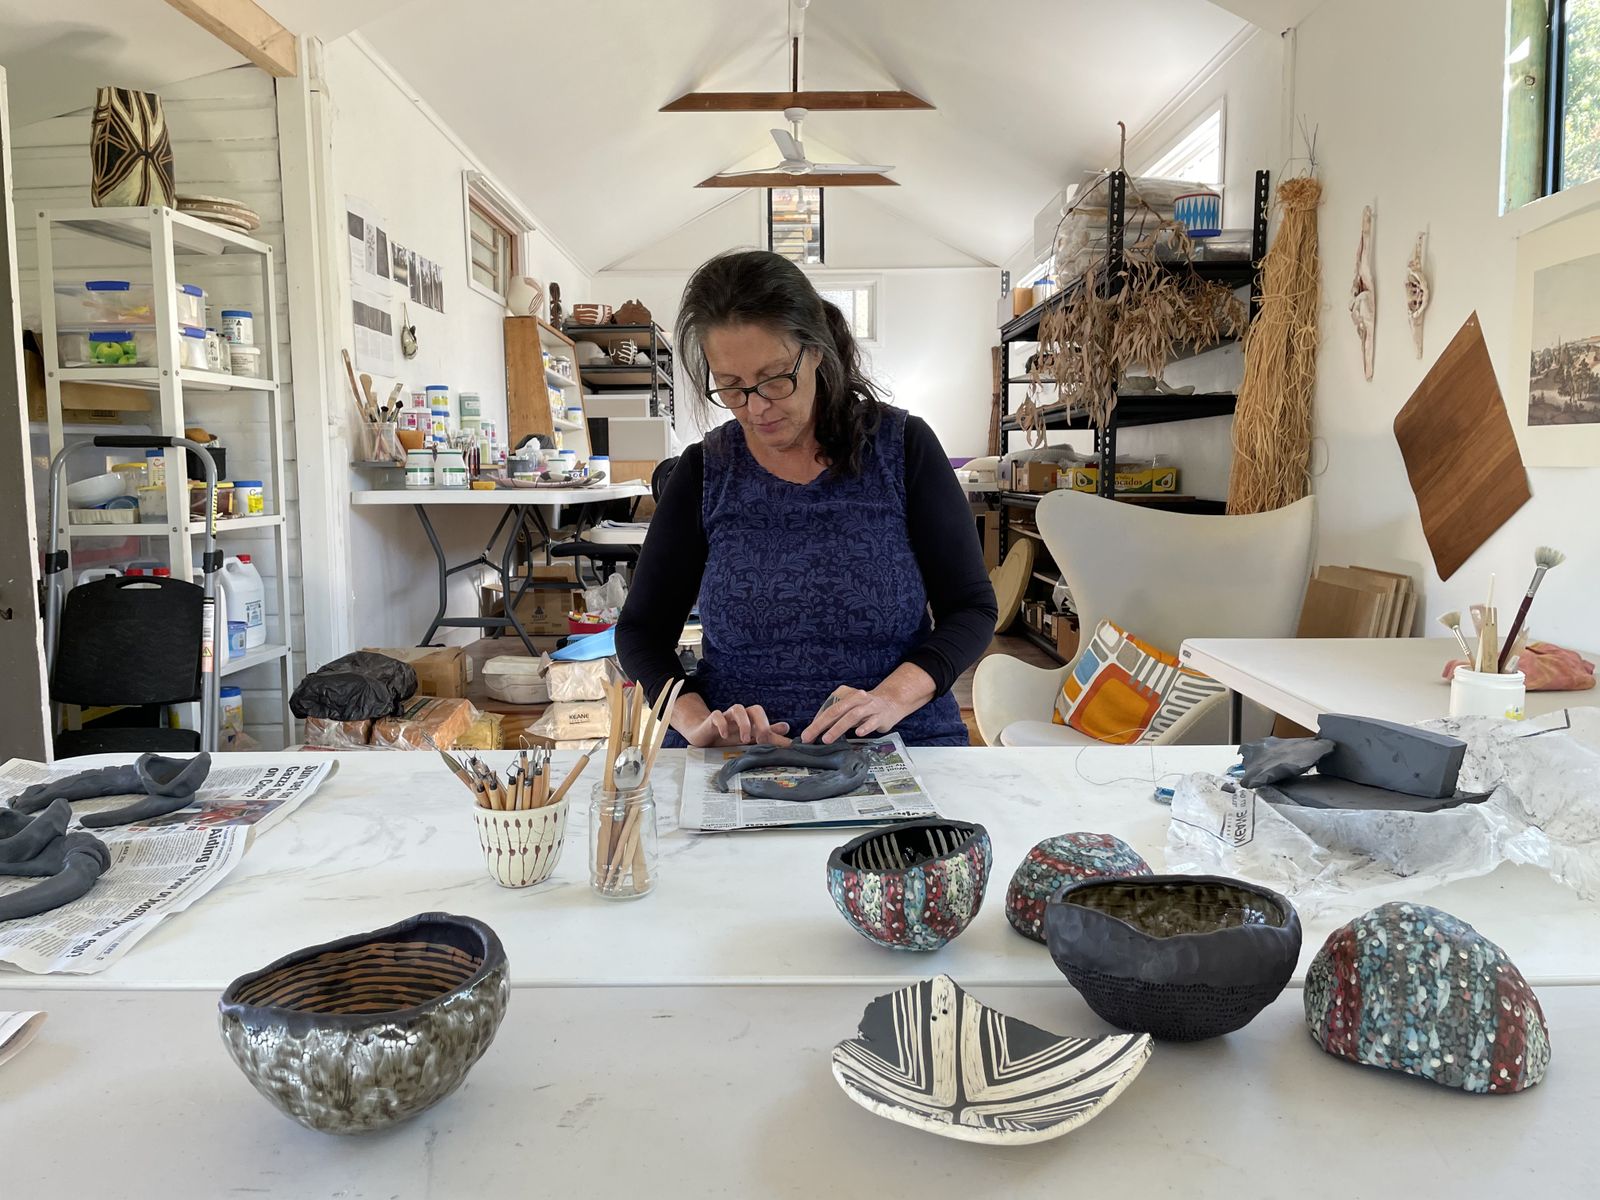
(623, 847)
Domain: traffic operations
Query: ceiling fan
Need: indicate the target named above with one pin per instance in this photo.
(795, 166)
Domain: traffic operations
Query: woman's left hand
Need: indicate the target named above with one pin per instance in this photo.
(852, 711)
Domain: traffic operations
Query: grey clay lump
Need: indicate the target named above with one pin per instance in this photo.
(1400, 758)
(1275, 758)
(85, 858)
(23, 838)
(842, 770)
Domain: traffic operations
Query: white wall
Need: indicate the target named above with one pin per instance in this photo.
(389, 151)
(225, 142)
(1409, 122)
(936, 303)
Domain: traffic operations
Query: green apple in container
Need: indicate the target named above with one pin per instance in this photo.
(113, 349)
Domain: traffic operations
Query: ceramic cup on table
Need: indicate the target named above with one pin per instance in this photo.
(521, 847)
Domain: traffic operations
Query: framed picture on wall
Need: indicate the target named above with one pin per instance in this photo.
(1554, 390)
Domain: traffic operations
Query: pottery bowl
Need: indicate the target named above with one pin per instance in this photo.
(913, 886)
(591, 314)
(1181, 957)
(366, 1031)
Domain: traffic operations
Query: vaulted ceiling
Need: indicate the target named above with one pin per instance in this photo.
(561, 100)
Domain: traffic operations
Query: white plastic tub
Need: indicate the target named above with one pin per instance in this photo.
(517, 679)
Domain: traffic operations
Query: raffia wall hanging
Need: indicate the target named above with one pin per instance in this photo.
(1272, 421)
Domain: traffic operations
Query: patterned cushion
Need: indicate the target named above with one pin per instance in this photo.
(1124, 690)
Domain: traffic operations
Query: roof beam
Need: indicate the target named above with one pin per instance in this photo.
(782, 179)
(715, 102)
(248, 28)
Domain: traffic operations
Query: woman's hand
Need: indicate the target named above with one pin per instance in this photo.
(736, 725)
(851, 711)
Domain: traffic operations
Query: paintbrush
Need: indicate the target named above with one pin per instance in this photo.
(1544, 559)
(1452, 621)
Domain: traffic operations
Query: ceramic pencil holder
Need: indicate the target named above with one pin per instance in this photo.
(1486, 694)
(521, 847)
(623, 850)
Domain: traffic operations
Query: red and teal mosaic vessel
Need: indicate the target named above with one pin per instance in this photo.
(913, 886)
(1058, 861)
(1409, 988)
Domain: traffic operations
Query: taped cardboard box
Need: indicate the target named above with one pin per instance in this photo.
(542, 610)
(442, 671)
(427, 723)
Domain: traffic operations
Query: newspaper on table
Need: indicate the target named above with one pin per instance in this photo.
(158, 867)
(893, 792)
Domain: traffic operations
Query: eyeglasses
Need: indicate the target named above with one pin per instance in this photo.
(779, 387)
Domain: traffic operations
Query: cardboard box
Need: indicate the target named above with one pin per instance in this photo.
(1032, 477)
(441, 670)
(989, 534)
(1131, 480)
(542, 610)
(1033, 615)
(1066, 637)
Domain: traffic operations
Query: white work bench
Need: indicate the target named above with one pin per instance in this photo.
(678, 1045)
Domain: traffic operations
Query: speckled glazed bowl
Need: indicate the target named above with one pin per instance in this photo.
(1181, 957)
(361, 1033)
(913, 886)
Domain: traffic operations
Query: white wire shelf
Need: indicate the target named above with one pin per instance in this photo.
(150, 379)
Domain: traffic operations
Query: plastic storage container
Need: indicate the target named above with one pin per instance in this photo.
(192, 348)
(107, 347)
(247, 597)
(419, 469)
(239, 326)
(246, 361)
(249, 498)
(452, 469)
(119, 303)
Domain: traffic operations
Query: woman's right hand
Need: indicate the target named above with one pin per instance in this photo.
(736, 725)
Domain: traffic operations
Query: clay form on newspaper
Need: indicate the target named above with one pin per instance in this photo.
(84, 859)
(167, 783)
(840, 770)
(23, 838)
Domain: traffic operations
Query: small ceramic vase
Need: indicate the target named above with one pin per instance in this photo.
(131, 150)
(522, 848)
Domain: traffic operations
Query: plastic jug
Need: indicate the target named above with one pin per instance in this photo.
(246, 598)
(223, 616)
(94, 573)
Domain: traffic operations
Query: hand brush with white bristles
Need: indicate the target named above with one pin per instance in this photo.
(1544, 558)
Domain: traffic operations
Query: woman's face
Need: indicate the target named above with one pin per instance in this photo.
(745, 355)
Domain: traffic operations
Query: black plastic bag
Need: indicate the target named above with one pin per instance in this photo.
(358, 687)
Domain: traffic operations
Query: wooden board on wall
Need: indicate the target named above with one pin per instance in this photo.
(527, 393)
(1460, 451)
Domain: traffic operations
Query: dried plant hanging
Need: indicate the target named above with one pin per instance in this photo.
(1272, 420)
(1133, 323)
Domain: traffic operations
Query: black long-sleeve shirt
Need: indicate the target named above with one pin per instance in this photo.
(943, 537)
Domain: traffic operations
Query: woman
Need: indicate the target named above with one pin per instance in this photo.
(817, 530)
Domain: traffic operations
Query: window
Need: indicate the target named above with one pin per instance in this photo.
(794, 224)
(1196, 157)
(1552, 99)
(859, 304)
(493, 249)
(496, 234)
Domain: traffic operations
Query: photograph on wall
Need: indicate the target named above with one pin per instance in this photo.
(402, 265)
(1564, 363)
(368, 244)
(1553, 382)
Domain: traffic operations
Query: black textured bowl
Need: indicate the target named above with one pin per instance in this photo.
(368, 1030)
(1180, 957)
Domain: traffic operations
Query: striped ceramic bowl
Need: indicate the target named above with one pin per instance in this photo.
(361, 1033)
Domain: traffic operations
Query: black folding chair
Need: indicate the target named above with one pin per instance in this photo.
(136, 644)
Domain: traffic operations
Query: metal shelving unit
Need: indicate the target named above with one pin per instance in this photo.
(1133, 409)
(654, 377)
(164, 234)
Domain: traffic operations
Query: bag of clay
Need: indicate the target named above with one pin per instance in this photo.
(426, 723)
(572, 723)
(358, 687)
(337, 735)
(573, 682)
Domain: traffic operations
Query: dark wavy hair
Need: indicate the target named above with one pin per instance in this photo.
(757, 287)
